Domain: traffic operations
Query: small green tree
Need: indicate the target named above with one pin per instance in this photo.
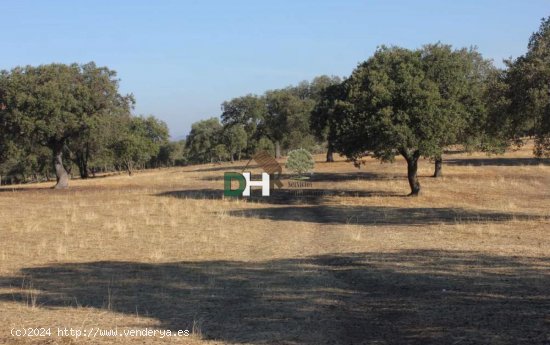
(235, 139)
(300, 161)
(170, 154)
(324, 116)
(249, 112)
(264, 144)
(202, 139)
(287, 119)
(221, 153)
(139, 142)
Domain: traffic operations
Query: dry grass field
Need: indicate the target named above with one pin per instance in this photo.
(350, 260)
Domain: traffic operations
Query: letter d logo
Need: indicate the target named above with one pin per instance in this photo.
(227, 177)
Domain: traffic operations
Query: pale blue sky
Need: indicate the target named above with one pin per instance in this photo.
(182, 59)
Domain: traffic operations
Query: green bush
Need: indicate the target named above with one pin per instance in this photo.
(265, 144)
(300, 161)
(221, 153)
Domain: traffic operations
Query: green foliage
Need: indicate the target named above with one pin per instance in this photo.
(287, 118)
(22, 164)
(248, 111)
(221, 153)
(90, 151)
(528, 86)
(235, 139)
(139, 142)
(462, 77)
(325, 116)
(280, 116)
(171, 154)
(320, 84)
(402, 101)
(399, 102)
(55, 104)
(300, 161)
(391, 107)
(409, 102)
(491, 128)
(202, 139)
(264, 144)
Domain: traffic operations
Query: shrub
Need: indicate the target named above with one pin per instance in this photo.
(300, 161)
(265, 144)
(221, 152)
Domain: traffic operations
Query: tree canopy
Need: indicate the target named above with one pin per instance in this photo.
(527, 92)
(407, 102)
(53, 104)
(202, 140)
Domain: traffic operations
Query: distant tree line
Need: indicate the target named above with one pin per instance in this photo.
(58, 119)
(408, 102)
(277, 121)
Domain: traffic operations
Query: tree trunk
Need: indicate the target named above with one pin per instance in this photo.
(438, 166)
(277, 149)
(85, 157)
(412, 168)
(61, 174)
(129, 168)
(82, 165)
(330, 153)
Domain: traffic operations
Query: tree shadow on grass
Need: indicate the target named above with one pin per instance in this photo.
(352, 176)
(331, 177)
(283, 196)
(8, 189)
(380, 215)
(489, 161)
(225, 167)
(406, 297)
(309, 205)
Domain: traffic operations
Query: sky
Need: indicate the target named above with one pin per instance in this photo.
(182, 59)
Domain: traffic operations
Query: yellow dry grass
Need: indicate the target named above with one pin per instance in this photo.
(162, 249)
